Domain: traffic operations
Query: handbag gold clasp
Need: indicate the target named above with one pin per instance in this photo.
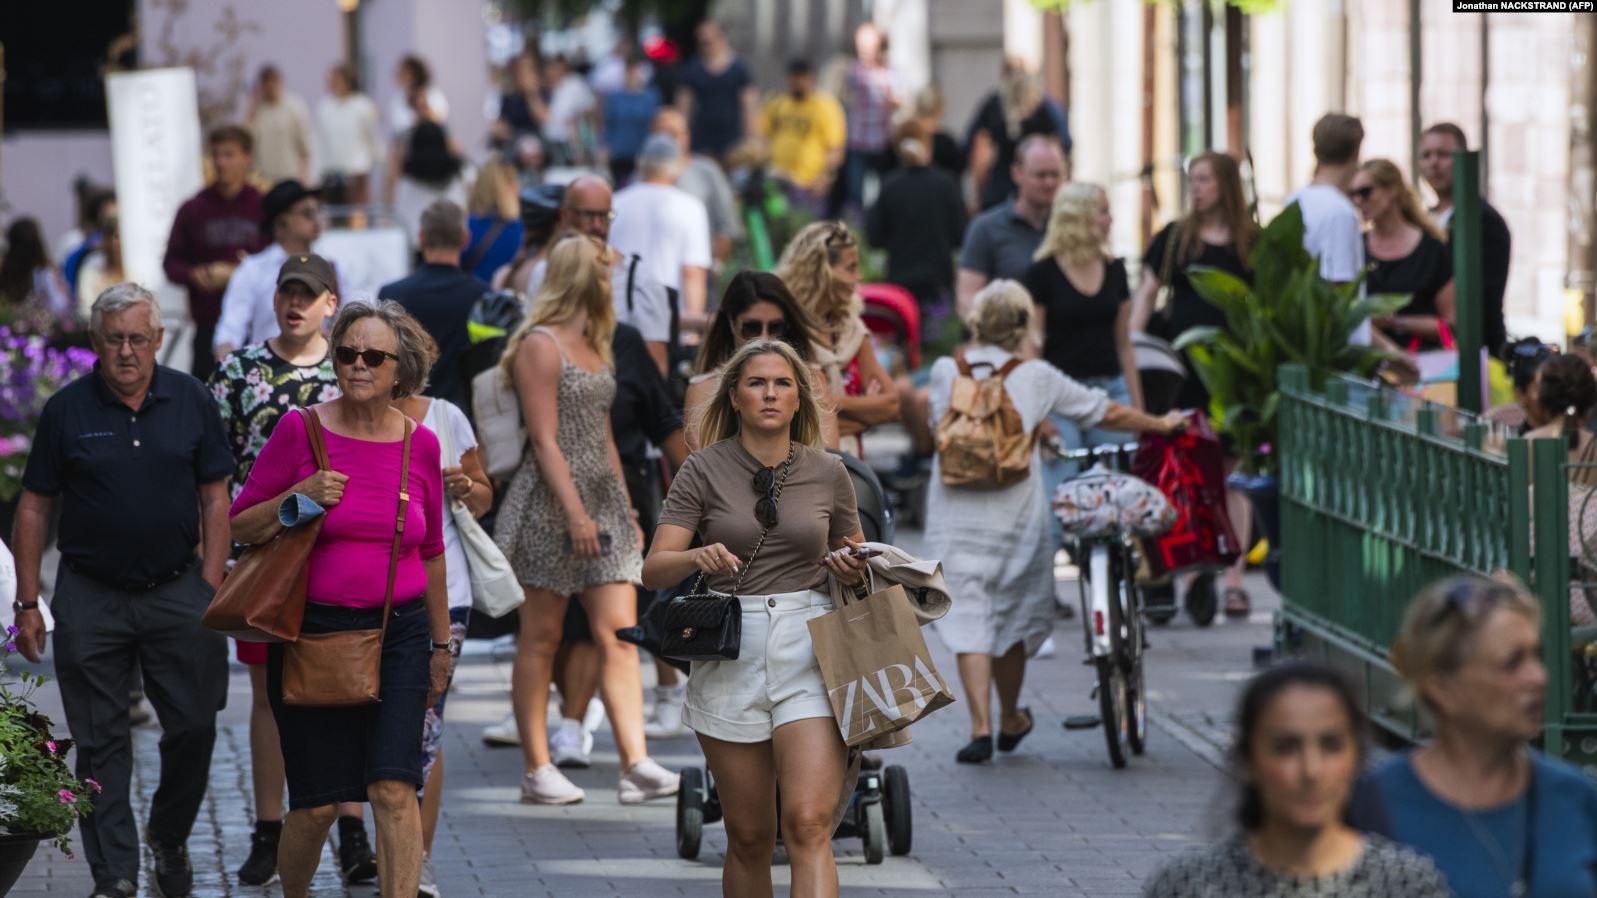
(687, 632)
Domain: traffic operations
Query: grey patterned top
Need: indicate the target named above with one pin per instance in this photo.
(1229, 870)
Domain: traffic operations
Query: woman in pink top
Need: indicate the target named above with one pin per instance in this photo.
(368, 753)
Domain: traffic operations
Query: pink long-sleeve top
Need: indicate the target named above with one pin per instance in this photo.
(349, 564)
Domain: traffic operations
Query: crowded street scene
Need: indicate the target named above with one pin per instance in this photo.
(1091, 448)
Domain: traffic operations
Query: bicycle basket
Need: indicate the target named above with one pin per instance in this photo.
(1102, 502)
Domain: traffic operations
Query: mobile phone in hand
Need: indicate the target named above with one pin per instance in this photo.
(861, 553)
(604, 544)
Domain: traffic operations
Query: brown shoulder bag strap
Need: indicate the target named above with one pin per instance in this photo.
(399, 524)
(313, 431)
(1012, 364)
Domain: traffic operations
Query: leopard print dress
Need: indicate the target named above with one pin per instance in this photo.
(531, 529)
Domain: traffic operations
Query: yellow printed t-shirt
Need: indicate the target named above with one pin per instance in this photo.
(801, 132)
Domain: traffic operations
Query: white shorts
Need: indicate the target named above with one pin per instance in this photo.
(775, 680)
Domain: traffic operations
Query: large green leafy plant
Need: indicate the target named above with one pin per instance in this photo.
(1288, 314)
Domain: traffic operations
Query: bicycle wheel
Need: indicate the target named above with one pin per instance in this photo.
(1112, 708)
(1131, 661)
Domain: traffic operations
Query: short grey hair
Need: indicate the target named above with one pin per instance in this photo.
(417, 350)
(121, 297)
(443, 225)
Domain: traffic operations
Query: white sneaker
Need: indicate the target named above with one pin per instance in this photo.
(593, 718)
(503, 733)
(570, 744)
(428, 887)
(1047, 649)
(645, 780)
(547, 785)
(665, 718)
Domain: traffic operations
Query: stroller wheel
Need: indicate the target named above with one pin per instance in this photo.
(900, 817)
(875, 833)
(690, 813)
(1202, 602)
(1159, 602)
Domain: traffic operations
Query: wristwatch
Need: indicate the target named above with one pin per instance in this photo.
(449, 646)
(17, 607)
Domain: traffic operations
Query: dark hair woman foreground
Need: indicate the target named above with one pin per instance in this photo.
(1298, 748)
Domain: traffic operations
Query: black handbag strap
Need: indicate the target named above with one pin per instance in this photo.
(737, 581)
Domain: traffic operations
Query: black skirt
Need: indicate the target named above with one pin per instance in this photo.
(332, 754)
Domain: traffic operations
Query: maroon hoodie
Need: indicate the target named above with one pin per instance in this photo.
(211, 228)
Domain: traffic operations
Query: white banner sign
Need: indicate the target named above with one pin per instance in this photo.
(155, 152)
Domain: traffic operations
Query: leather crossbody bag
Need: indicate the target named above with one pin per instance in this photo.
(344, 669)
(705, 625)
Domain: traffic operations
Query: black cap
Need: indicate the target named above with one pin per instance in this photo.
(311, 270)
(280, 199)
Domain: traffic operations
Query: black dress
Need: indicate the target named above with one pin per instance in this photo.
(1423, 273)
(1187, 309)
(990, 118)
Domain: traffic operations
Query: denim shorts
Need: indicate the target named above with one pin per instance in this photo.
(775, 680)
(333, 754)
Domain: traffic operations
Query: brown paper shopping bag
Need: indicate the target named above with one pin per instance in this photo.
(878, 672)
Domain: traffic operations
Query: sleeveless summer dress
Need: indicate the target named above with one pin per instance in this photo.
(532, 524)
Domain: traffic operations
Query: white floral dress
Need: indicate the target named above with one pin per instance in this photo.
(254, 388)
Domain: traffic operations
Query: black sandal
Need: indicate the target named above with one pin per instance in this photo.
(979, 751)
(1237, 602)
(1010, 741)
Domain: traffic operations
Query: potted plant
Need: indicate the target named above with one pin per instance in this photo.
(40, 798)
(31, 371)
(1288, 314)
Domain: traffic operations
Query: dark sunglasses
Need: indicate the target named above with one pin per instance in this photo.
(374, 358)
(770, 330)
(765, 508)
(1469, 599)
(1362, 193)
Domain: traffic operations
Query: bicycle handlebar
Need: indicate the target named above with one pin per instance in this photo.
(1098, 452)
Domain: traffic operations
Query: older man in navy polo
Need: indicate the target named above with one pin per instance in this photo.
(135, 455)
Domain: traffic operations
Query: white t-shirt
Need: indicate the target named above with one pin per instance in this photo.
(460, 439)
(570, 100)
(1332, 232)
(647, 307)
(665, 225)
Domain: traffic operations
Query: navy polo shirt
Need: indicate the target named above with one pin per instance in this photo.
(127, 480)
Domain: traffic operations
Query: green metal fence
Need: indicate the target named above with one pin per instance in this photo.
(1382, 493)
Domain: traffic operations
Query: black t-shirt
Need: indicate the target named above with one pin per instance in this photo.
(717, 123)
(990, 118)
(918, 219)
(1187, 309)
(642, 412)
(127, 481)
(1080, 336)
(1423, 272)
(1496, 246)
(440, 297)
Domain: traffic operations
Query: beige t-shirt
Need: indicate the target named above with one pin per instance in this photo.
(713, 495)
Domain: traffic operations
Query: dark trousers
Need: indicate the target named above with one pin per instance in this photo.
(102, 634)
(204, 357)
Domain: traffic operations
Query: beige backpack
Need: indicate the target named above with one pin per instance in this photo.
(982, 443)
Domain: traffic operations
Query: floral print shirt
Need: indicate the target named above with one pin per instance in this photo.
(253, 388)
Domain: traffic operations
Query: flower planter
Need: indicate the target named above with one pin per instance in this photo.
(1264, 491)
(15, 852)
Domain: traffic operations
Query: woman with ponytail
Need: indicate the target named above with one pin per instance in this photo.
(1407, 254)
(1564, 393)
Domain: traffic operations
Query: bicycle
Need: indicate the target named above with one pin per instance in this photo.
(1112, 622)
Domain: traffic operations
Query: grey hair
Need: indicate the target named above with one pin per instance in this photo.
(120, 297)
(443, 225)
(416, 348)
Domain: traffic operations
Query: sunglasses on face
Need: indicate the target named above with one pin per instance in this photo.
(769, 330)
(1362, 194)
(765, 508)
(374, 358)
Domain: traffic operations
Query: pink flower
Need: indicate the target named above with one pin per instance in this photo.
(67, 797)
(92, 784)
(51, 746)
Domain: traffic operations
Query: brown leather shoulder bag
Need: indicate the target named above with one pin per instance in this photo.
(344, 669)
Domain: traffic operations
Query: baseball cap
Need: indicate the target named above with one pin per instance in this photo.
(311, 270)
(280, 199)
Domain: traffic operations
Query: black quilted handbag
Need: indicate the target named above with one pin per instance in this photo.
(708, 626)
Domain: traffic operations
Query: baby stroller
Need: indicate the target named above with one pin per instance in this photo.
(878, 812)
(893, 317)
(1162, 371)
